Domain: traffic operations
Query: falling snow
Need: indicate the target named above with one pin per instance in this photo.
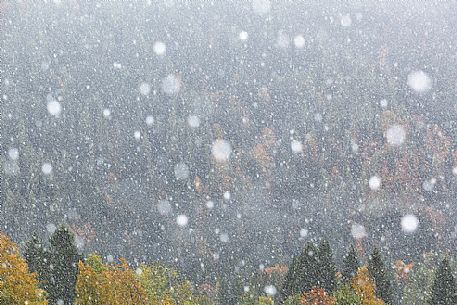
(222, 140)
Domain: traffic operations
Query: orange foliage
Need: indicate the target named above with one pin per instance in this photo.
(402, 270)
(317, 296)
(364, 287)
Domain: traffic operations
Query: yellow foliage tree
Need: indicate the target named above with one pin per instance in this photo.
(17, 284)
(364, 287)
(164, 286)
(100, 284)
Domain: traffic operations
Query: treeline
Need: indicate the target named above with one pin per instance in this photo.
(58, 274)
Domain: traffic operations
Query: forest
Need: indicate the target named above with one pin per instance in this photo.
(208, 144)
(55, 273)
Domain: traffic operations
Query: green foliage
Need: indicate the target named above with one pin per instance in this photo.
(228, 291)
(378, 272)
(251, 299)
(302, 274)
(314, 267)
(350, 265)
(95, 262)
(419, 284)
(38, 260)
(346, 296)
(163, 283)
(293, 300)
(326, 270)
(444, 289)
(64, 260)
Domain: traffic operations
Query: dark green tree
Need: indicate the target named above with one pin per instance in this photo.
(326, 270)
(302, 274)
(350, 264)
(443, 289)
(37, 258)
(64, 259)
(306, 269)
(288, 287)
(379, 273)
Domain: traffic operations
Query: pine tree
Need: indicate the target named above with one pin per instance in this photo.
(350, 265)
(37, 258)
(377, 270)
(64, 259)
(326, 270)
(443, 289)
(288, 287)
(301, 276)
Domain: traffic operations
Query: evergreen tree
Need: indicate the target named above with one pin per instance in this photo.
(350, 265)
(288, 287)
(306, 269)
(326, 270)
(37, 258)
(378, 272)
(302, 275)
(64, 259)
(443, 289)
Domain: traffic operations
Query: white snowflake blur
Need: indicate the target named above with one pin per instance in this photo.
(409, 223)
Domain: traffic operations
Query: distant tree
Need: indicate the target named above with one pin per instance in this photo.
(418, 287)
(444, 289)
(347, 296)
(64, 258)
(326, 270)
(289, 287)
(306, 265)
(350, 264)
(99, 284)
(17, 285)
(364, 287)
(378, 272)
(37, 258)
(302, 274)
(317, 296)
(292, 300)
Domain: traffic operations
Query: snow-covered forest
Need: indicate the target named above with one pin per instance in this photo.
(221, 139)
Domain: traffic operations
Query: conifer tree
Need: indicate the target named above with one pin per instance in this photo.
(378, 272)
(326, 270)
(350, 265)
(306, 269)
(37, 258)
(443, 289)
(64, 258)
(301, 276)
(288, 287)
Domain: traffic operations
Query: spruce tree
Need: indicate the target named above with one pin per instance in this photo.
(288, 287)
(350, 264)
(306, 269)
(301, 276)
(326, 270)
(443, 289)
(64, 260)
(378, 272)
(37, 258)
